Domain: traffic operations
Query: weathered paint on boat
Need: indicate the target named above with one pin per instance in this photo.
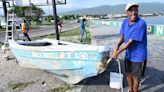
(71, 62)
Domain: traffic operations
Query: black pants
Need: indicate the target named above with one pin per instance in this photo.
(26, 36)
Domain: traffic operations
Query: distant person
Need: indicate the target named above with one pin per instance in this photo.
(134, 36)
(59, 26)
(25, 29)
(82, 29)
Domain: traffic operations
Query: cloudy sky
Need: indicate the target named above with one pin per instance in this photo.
(78, 4)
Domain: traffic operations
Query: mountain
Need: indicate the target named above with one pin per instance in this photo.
(117, 9)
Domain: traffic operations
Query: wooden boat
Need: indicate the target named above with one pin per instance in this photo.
(67, 61)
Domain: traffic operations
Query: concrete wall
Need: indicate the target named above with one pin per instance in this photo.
(153, 29)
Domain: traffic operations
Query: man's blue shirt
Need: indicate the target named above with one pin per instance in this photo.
(82, 24)
(137, 51)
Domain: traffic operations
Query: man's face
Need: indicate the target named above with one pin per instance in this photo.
(132, 13)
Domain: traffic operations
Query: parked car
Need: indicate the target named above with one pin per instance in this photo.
(17, 23)
(3, 24)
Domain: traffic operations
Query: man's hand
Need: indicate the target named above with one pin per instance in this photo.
(114, 51)
(114, 55)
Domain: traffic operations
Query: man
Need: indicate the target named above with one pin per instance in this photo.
(134, 36)
(82, 29)
(24, 29)
(59, 25)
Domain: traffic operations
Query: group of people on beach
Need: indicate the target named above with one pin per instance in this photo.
(134, 36)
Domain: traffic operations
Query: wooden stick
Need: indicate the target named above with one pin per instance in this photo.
(110, 59)
(104, 66)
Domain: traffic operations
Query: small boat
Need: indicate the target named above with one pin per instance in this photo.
(67, 61)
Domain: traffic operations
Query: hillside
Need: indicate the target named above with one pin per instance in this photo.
(117, 9)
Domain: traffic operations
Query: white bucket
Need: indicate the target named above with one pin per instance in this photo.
(116, 80)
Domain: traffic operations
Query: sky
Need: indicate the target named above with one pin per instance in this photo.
(79, 4)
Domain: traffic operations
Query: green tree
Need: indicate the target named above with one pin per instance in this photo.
(20, 12)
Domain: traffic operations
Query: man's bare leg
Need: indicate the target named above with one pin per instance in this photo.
(136, 84)
(130, 82)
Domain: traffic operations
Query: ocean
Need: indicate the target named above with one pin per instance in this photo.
(155, 20)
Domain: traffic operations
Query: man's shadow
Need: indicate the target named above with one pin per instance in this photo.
(92, 84)
(154, 81)
(153, 78)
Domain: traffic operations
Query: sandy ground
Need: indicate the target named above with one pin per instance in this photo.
(12, 73)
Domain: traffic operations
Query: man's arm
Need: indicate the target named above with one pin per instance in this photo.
(118, 45)
(124, 47)
(120, 42)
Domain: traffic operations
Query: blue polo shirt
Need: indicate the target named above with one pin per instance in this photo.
(82, 24)
(137, 51)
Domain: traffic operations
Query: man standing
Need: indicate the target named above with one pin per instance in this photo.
(25, 29)
(82, 29)
(134, 36)
(59, 25)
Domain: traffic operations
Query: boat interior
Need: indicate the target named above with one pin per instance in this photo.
(38, 43)
(35, 43)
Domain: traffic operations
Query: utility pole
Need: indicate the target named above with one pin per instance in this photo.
(4, 9)
(55, 19)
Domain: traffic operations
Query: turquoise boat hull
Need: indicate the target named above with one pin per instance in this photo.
(67, 61)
